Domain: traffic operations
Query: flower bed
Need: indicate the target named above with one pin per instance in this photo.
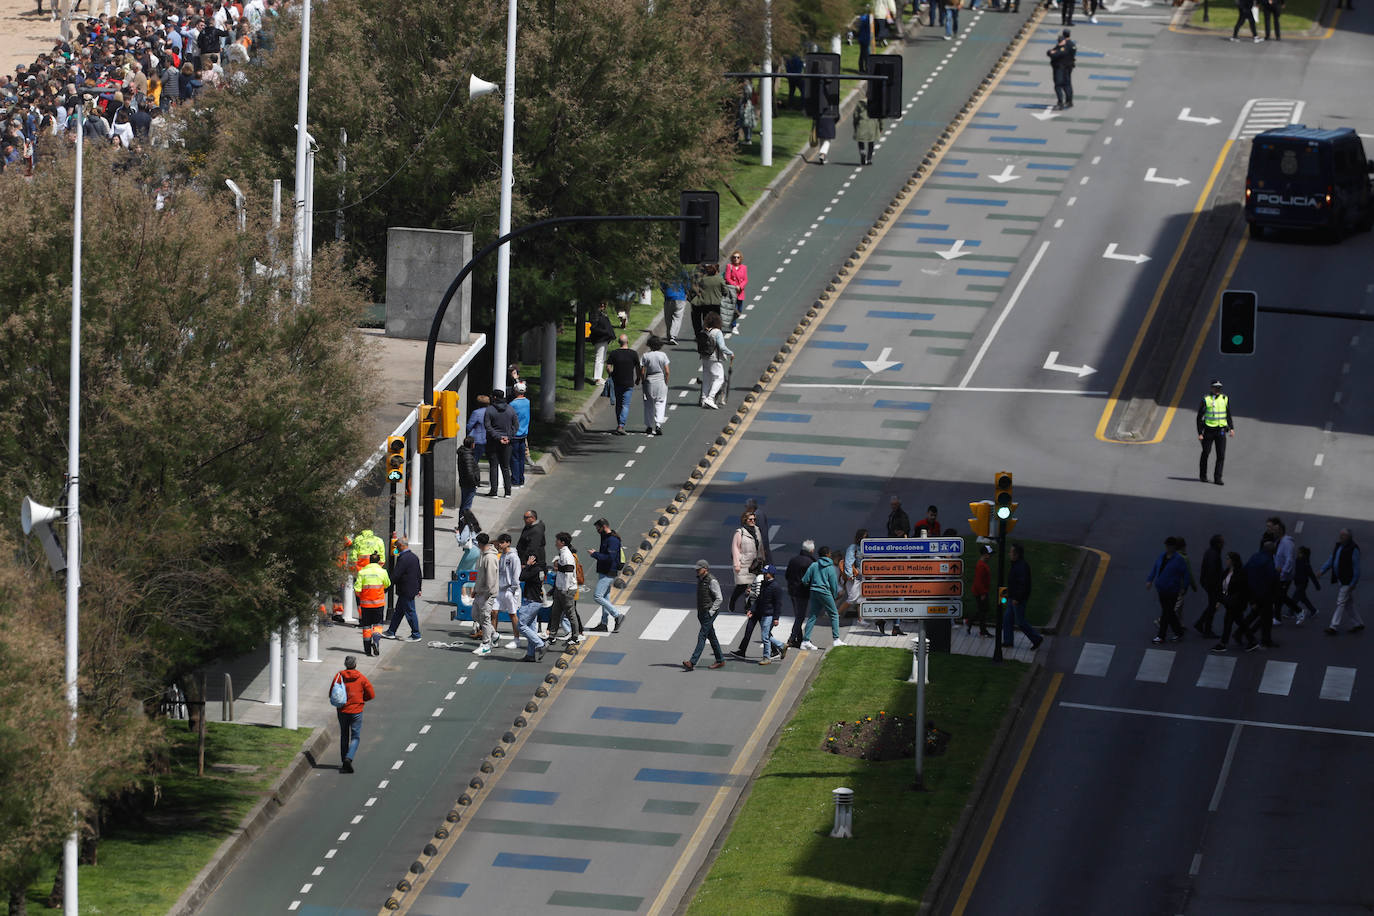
(882, 737)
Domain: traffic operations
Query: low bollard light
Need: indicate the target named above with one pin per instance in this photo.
(915, 660)
(844, 813)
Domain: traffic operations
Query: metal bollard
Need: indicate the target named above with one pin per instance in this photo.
(226, 706)
(274, 668)
(312, 642)
(844, 813)
(291, 692)
(350, 604)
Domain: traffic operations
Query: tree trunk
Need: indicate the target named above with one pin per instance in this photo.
(54, 901)
(191, 689)
(19, 902)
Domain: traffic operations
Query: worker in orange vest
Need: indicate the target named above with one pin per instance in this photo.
(370, 585)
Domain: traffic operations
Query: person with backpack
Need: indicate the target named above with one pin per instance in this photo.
(599, 335)
(348, 705)
(609, 557)
(568, 576)
(713, 353)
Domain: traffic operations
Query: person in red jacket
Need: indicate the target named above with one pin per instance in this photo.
(982, 585)
(351, 713)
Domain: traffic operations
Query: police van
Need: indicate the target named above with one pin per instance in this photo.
(1309, 178)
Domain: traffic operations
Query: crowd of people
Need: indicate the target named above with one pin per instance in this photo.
(118, 74)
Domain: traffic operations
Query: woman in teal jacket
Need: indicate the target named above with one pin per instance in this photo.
(824, 583)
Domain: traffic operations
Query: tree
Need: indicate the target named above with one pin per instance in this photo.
(218, 419)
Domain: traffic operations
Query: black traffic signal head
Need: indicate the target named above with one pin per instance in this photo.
(394, 461)
(1002, 503)
(885, 96)
(822, 97)
(1236, 325)
(699, 238)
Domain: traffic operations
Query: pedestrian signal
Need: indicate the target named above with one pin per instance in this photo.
(885, 96)
(822, 96)
(981, 522)
(699, 237)
(1236, 327)
(395, 460)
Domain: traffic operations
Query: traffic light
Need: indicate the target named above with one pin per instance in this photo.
(1004, 507)
(1001, 599)
(426, 428)
(822, 97)
(446, 402)
(1236, 329)
(699, 239)
(395, 459)
(981, 522)
(885, 96)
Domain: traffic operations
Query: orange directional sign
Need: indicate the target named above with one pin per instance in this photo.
(911, 568)
(910, 588)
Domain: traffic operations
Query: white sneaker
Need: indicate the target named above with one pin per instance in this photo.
(1258, 39)
(1301, 618)
(709, 404)
(482, 650)
(809, 646)
(838, 642)
(512, 645)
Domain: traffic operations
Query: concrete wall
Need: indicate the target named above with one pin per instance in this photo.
(420, 264)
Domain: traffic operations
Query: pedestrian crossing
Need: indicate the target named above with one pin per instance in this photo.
(1218, 672)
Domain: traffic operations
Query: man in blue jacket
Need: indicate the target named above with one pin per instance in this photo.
(607, 558)
(1168, 577)
(1344, 565)
(766, 610)
(518, 448)
(405, 583)
(1262, 578)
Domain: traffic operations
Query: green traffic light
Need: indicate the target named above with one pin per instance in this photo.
(1237, 339)
(1004, 512)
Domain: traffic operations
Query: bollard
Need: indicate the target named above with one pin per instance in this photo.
(844, 813)
(915, 659)
(350, 604)
(274, 669)
(312, 643)
(226, 706)
(291, 662)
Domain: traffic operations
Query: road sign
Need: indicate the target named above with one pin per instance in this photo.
(944, 569)
(911, 610)
(911, 547)
(911, 588)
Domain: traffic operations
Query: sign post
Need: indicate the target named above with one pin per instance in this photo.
(913, 578)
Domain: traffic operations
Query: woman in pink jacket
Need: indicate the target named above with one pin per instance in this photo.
(737, 275)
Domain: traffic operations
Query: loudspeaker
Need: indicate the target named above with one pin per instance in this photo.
(32, 513)
(478, 87)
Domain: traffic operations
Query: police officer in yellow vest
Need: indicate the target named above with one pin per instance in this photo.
(1213, 427)
(371, 584)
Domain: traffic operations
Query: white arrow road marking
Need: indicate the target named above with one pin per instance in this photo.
(1111, 254)
(881, 363)
(773, 543)
(1186, 115)
(1151, 175)
(955, 251)
(1004, 176)
(1051, 363)
(1045, 115)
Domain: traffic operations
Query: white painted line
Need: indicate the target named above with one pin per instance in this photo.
(610, 490)
(383, 784)
(331, 854)
(438, 711)
(789, 260)
(1071, 201)
(464, 678)
(1297, 527)
(1309, 492)
(575, 532)
(1219, 720)
(1216, 672)
(1155, 666)
(1319, 459)
(1329, 426)
(1130, 103)
(1106, 141)
(1278, 678)
(1337, 398)
(411, 747)
(879, 389)
(640, 450)
(295, 904)
(1094, 659)
(398, 764)
(449, 695)
(630, 462)
(370, 802)
(586, 518)
(620, 476)
(1355, 341)
(1225, 769)
(1338, 684)
(1345, 368)
(357, 819)
(665, 623)
(1196, 866)
(1083, 180)
(1120, 121)
(1011, 303)
(1059, 222)
(319, 870)
(728, 626)
(1096, 160)
(342, 837)
(472, 665)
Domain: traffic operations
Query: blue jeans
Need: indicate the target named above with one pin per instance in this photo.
(517, 462)
(707, 632)
(350, 731)
(817, 608)
(1015, 619)
(527, 617)
(770, 645)
(405, 607)
(468, 494)
(951, 20)
(622, 403)
(603, 588)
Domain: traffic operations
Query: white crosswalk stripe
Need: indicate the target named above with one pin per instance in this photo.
(1216, 672)
(1278, 678)
(1155, 666)
(665, 624)
(1338, 683)
(728, 626)
(1095, 658)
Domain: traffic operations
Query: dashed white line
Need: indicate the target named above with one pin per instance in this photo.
(1083, 180)
(1071, 201)
(586, 518)
(450, 694)
(1106, 141)
(438, 711)
(1336, 398)
(472, 665)
(331, 854)
(295, 905)
(357, 819)
(1196, 866)
(576, 531)
(319, 870)
(610, 490)
(1120, 121)
(462, 680)
(1308, 494)
(1319, 459)
(383, 784)
(638, 451)
(1130, 103)
(629, 462)
(342, 837)
(1297, 527)
(1059, 222)
(370, 802)
(1345, 368)
(1096, 160)
(398, 764)
(424, 729)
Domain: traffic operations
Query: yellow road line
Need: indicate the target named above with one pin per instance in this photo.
(985, 850)
(1104, 560)
(1202, 338)
(1115, 396)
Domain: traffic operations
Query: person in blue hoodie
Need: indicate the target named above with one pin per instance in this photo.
(1168, 578)
(674, 305)
(824, 584)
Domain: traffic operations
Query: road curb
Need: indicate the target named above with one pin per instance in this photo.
(253, 824)
(1067, 597)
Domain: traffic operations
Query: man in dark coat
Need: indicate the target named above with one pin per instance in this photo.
(1210, 576)
(1062, 58)
(1018, 596)
(405, 583)
(798, 591)
(530, 548)
(502, 425)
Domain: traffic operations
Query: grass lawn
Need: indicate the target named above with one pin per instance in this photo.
(1051, 565)
(1298, 16)
(147, 859)
(779, 857)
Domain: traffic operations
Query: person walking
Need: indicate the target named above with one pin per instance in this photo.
(1235, 598)
(1062, 57)
(1018, 596)
(766, 610)
(1214, 426)
(1302, 577)
(746, 115)
(599, 335)
(406, 582)
(358, 690)
(674, 304)
(532, 602)
(501, 424)
(713, 362)
(750, 620)
(370, 584)
(798, 590)
(851, 576)
(1245, 15)
(982, 589)
(1285, 564)
(898, 523)
(484, 593)
(737, 276)
(623, 366)
(607, 557)
(1066, 11)
(823, 129)
(1271, 9)
(653, 371)
(1344, 566)
(709, 600)
(469, 474)
(507, 590)
(824, 590)
(745, 547)
(708, 291)
(761, 522)
(1168, 577)
(477, 429)
(565, 589)
(867, 131)
(519, 444)
(1261, 580)
(1210, 575)
(952, 18)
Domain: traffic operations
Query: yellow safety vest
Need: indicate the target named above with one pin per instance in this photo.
(1215, 410)
(371, 584)
(365, 545)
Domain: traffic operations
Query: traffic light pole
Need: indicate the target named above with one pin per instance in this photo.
(432, 344)
(1001, 580)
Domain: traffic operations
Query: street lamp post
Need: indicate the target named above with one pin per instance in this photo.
(502, 325)
(766, 135)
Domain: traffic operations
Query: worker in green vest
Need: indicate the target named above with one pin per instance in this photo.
(366, 544)
(1213, 427)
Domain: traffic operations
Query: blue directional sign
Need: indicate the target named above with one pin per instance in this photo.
(911, 547)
